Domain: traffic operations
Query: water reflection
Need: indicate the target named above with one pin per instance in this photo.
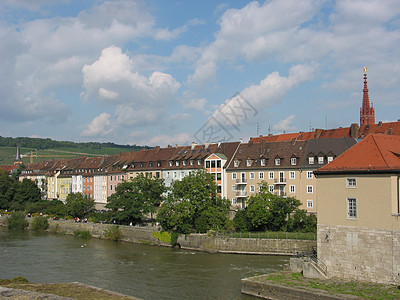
(147, 272)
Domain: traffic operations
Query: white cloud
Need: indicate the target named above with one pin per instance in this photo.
(164, 140)
(107, 94)
(190, 103)
(285, 125)
(182, 116)
(100, 126)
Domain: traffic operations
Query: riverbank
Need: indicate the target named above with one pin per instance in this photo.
(196, 242)
(286, 285)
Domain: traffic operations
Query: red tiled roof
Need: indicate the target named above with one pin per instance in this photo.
(377, 152)
(8, 168)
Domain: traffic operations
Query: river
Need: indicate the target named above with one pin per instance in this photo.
(147, 272)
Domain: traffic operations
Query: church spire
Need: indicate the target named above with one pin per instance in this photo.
(367, 112)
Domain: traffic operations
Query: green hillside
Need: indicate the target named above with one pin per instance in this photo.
(36, 149)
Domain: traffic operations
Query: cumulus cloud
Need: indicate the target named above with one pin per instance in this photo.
(100, 126)
(285, 125)
(164, 140)
(138, 99)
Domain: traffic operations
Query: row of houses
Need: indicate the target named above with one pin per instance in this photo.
(237, 168)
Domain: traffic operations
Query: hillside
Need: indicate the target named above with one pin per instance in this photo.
(38, 149)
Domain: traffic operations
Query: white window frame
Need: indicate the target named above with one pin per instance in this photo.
(292, 189)
(236, 163)
(330, 158)
(277, 161)
(252, 189)
(292, 175)
(309, 174)
(351, 208)
(248, 162)
(262, 162)
(310, 189)
(261, 175)
(234, 176)
(271, 175)
(351, 183)
(311, 160)
(293, 161)
(234, 188)
(271, 188)
(234, 202)
(310, 204)
(320, 160)
(252, 175)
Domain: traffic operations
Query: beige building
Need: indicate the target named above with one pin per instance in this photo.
(358, 212)
(287, 168)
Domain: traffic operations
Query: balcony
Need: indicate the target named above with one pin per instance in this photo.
(280, 181)
(280, 193)
(241, 194)
(241, 181)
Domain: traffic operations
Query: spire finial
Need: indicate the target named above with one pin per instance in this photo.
(365, 70)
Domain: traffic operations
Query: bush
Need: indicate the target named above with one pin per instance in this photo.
(17, 221)
(113, 233)
(39, 223)
(82, 234)
(174, 238)
(162, 236)
(19, 279)
(240, 221)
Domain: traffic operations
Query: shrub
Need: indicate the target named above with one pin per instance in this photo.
(82, 234)
(17, 221)
(19, 279)
(113, 233)
(174, 238)
(241, 222)
(39, 223)
(162, 236)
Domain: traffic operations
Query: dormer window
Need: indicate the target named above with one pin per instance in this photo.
(277, 161)
(236, 163)
(311, 160)
(248, 162)
(177, 163)
(150, 164)
(158, 164)
(191, 162)
(262, 161)
(320, 160)
(293, 161)
(141, 165)
(199, 162)
(330, 158)
(171, 163)
(133, 166)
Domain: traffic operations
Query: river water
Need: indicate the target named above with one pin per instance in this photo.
(147, 272)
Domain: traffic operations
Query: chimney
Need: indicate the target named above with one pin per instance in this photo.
(380, 124)
(354, 131)
(206, 145)
(193, 145)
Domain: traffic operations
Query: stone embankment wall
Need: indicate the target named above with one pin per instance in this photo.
(198, 242)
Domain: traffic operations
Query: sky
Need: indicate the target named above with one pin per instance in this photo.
(173, 72)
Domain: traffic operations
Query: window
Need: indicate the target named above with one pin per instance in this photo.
(150, 164)
(292, 189)
(213, 164)
(208, 164)
(351, 208)
(320, 160)
(184, 162)
(351, 182)
(330, 158)
(271, 175)
(219, 176)
(248, 162)
(252, 176)
(309, 174)
(233, 188)
(234, 175)
(175, 175)
(171, 163)
(236, 163)
(271, 188)
(293, 161)
(199, 162)
(167, 174)
(177, 163)
(260, 175)
(311, 160)
(309, 189)
(262, 161)
(191, 162)
(252, 189)
(310, 204)
(277, 161)
(291, 175)
(234, 201)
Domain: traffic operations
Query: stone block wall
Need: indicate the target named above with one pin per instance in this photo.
(363, 254)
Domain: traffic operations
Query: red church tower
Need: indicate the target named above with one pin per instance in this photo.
(367, 112)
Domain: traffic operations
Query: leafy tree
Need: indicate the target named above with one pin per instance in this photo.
(76, 204)
(17, 221)
(137, 198)
(241, 222)
(301, 221)
(26, 192)
(268, 211)
(7, 190)
(39, 223)
(53, 207)
(194, 204)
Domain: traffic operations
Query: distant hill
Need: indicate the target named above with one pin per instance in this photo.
(38, 149)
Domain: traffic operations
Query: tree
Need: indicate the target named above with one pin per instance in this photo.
(17, 221)
(268, 211)
(76, 204)
(194, 205)
(7, 190)
(25, 192)
(137, 198)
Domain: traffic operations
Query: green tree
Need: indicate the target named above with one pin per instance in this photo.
(39, 223)
(241, 222)
(268, 211)
(76, 204)
(302, 221)
(7, 190)
(194, 205)
(135, 199)
(17, 221)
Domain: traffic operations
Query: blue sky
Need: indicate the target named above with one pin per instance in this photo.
(175, 72)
